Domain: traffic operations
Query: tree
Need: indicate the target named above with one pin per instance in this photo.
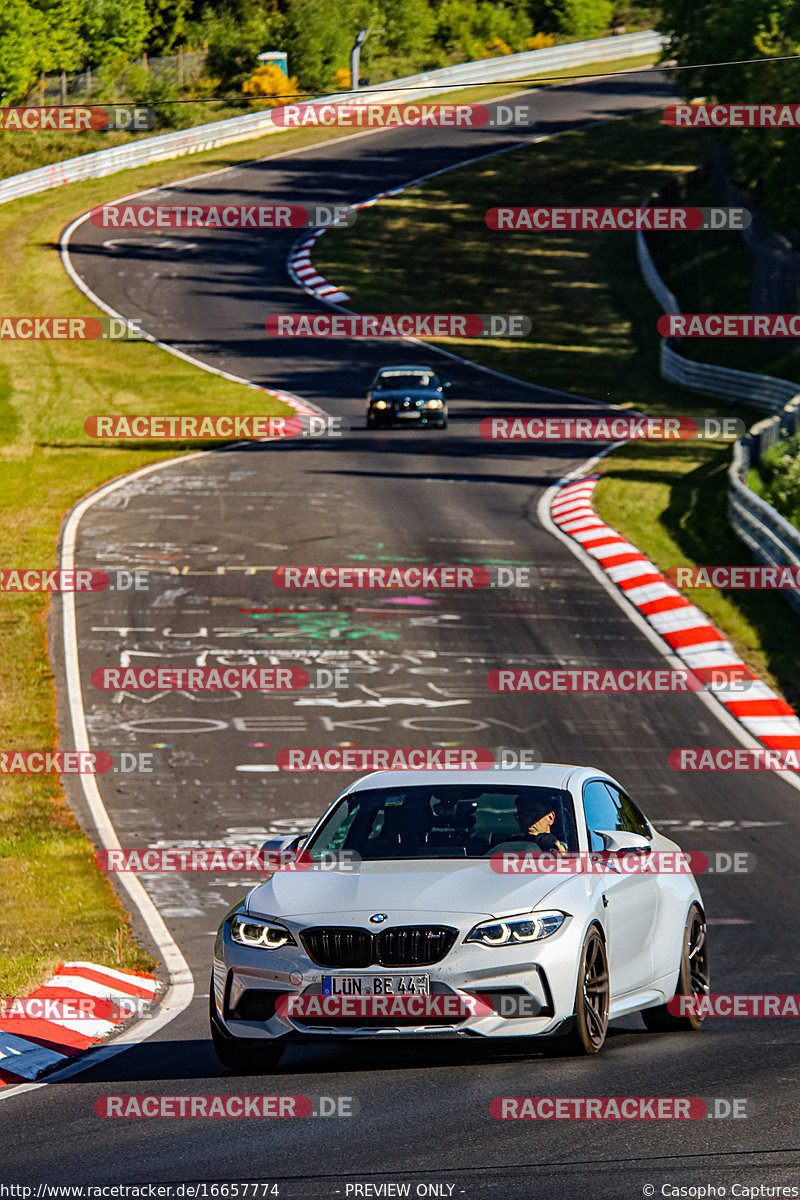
(233, 46)
(700, 32)
(168, 20)
(36, 37)
(404, 27)
(317, 36)
(22, 32)
(573, 18)
(111, 31)
(585, 18)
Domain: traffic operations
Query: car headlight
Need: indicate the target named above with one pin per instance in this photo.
(433, 404)
(381, 404)
(529, 927)
(255, 931)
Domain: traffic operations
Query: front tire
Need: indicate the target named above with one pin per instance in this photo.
(245, 1056)
(693, 978)
(591, 999)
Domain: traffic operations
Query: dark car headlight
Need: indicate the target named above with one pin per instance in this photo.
(380, 404)
(508, 931)
(433, 403)
(256, 931)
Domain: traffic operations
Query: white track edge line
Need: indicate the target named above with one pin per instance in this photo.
(180, 986)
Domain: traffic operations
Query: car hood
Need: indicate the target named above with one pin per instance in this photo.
(423, 886)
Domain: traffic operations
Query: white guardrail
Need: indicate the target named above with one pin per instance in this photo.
(773, 540)
(260, 124)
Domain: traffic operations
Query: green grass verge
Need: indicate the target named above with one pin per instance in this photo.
(54, 903)
(594, 333)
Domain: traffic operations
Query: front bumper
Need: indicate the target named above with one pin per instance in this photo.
(388, 416)
(542, 975)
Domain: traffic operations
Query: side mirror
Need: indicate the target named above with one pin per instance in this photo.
(274, 845)
(619, 841)
(447, 385)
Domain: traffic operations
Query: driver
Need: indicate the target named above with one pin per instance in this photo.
(536, 816)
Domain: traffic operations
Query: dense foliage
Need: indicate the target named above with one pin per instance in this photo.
(48, 36)
(780, 478)
(705, 31)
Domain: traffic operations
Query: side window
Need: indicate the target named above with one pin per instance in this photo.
(634, 819)
(603, 810)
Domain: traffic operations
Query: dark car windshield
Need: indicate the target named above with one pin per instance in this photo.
(440, 821)
(399, 380)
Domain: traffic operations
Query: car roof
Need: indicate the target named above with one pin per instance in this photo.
(405, 367)
(552, 775)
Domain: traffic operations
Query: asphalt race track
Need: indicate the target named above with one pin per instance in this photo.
(211, 529)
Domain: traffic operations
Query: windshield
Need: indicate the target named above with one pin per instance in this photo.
(447, 821)
(397, 380)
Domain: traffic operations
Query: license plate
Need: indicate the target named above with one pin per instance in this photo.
(376, 985)
(409, 414)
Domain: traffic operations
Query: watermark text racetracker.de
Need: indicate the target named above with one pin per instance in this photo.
(110, 1008)
(153, 860)
(731, 116)
(759, 1004)
(658, 680)
(260, 1106)
(77, 762)
(376, 115)
(214, 679)
(622, 428)
(730, 325)
(398, 325)
(221, 216)
(217, 427)
(382, 577)
(65, 329)
(76, 119)
(734, 578)
(620, 862)
(73, 579)
(605, 219)
(354, 758)
(615, 1108)
(737, 758)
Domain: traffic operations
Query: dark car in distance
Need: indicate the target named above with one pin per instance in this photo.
(405, 395)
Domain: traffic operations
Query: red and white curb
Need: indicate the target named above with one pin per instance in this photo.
(684, 627)
(306, 274)
(299, 263)
(302, 408)
(31, 1045)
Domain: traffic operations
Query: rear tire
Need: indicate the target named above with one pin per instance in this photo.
(245, 1056)
(693, 979)
(591, 999)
